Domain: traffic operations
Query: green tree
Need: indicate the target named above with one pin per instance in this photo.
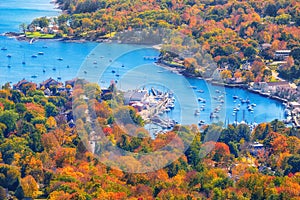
(51, 110)
(292, 164)
(35, 142)
(250, 52)
(243, 132)
(9, 177)
(271, 10)
(23, 27)
(20, 108)
(9, 118)
(229, 134)
(283, 19)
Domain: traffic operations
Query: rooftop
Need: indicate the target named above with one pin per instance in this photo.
(280, 83)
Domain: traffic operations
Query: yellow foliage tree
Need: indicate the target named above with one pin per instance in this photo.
(51, 122)
(29, 186)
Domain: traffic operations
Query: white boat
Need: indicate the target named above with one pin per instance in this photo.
(60, 59)
(201, 100)
(40, 53)
(31, 41)
(250, 108)
(171, 105)
(236, 109)
(201, 122)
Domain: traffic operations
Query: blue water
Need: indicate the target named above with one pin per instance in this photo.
(15, 12)
(95, 62)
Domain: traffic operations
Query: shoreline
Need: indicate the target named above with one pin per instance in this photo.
(172, 68)
(22, 37)
(216, 83)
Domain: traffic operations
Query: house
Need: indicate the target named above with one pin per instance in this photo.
(135, 96)
(50, 82)
(256, 147)
(246, 66)
(273, 86)
(47, 92)
(263, 86)
(266, 46)
(281, 54)
(19, 85)
(294, 104)
(75, 81)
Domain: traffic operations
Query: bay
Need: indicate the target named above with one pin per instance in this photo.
(66, 60)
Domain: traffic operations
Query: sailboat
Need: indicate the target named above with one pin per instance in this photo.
(9, 60)
(23, 62)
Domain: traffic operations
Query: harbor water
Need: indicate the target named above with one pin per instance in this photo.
(124, 64)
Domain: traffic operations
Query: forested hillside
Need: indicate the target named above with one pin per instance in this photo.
(43, 156)
(233, 32)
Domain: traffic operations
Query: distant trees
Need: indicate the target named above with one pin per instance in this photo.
(271, 10)
(41, 22)
(23, 27)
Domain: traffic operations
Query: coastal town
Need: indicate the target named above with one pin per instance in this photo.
(151, 104)
(270, 84)
(156, 100)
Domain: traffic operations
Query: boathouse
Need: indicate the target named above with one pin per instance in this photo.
(135, 96)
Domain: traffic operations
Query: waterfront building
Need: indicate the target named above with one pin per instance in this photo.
(281, 54)
(50, 82)
(135, 96)
(273, 86)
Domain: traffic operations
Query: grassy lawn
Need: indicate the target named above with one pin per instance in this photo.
(39, 35)
(273, 79)
(112, 34)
